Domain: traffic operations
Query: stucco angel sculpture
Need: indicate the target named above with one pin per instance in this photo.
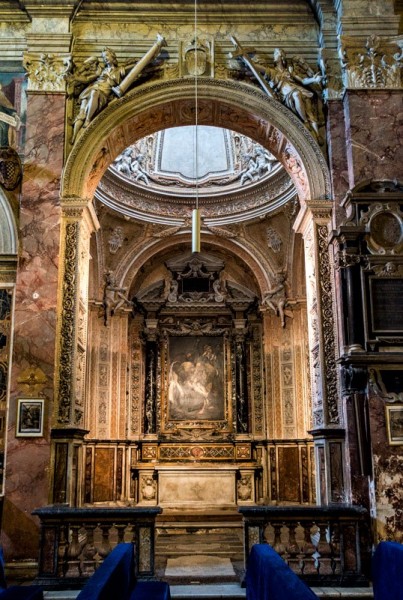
(290, 81)
(105, 79)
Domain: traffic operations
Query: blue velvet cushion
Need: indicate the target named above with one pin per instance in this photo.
(268, 577)
(22, 592)
(151, 590)
(114, 578)
(387, 571)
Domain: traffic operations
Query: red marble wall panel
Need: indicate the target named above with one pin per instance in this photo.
(27, 470)
(374, 122)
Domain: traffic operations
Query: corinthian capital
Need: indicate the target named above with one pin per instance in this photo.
(46, 72)
(377, 64)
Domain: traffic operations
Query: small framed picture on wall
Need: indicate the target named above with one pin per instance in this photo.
(394, 424)
(30, 417)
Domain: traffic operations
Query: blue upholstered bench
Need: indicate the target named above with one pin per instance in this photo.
(268, 577)
(387, 571)
(115, 579)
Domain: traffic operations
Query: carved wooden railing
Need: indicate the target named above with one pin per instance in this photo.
(324, 545)
(74, 541)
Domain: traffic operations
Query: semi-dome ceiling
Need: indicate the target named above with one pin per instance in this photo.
(157, 178)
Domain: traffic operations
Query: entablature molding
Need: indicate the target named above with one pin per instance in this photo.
(77, 209)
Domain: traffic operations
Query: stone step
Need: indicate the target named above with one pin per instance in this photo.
(231, 591)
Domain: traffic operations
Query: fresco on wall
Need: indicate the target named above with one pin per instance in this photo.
(13, 106)
(196, 378)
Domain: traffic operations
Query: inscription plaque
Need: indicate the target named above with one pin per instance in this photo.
(386, 297)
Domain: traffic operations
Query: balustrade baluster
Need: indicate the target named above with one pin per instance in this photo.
(308, 550)
(277, 544)
(104, 548)
(324, 549)
(73, 553)
(89, 550)
(293, 549)
(62, 551)
(335, 546)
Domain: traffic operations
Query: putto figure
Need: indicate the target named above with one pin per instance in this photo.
(107, 79)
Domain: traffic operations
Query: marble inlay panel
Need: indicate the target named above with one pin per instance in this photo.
(197, 488)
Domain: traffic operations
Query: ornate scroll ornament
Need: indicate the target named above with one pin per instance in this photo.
(10, 168)
(274, 240)
(344, 259)
(244, 488)
(377, 65)
(328, 325)
(384, 224)
(47, 72)
(115, 240)
(67, 327)
(276, 300)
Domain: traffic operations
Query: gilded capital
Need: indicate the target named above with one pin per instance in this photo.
(46, 72)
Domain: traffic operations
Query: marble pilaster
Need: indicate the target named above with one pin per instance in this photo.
(313, 224)
(34, 318)
(374, 125)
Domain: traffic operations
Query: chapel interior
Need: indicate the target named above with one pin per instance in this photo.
(201, 279)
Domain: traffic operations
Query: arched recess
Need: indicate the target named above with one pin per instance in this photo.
(223, 103)
(143, 111)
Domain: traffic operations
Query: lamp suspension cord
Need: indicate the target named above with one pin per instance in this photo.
(196, 108)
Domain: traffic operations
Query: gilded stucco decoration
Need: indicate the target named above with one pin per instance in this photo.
(377, 64)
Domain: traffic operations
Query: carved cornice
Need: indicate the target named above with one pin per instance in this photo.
(46, 72)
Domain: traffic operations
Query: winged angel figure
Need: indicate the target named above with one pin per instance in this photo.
(290, 81)
(104, 78)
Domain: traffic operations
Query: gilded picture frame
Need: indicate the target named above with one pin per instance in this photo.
(30, 417)
(394, 424)
(196, 386)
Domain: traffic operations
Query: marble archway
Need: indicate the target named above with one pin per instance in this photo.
(222, 103)
(168, 104)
